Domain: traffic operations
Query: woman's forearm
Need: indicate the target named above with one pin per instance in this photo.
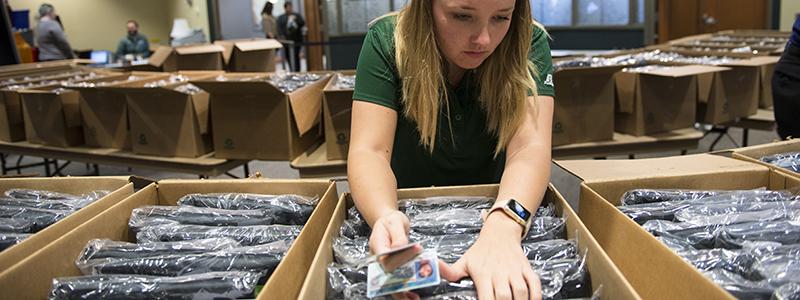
(372, 184)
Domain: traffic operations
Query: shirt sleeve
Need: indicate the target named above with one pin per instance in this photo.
(376, 72)
(542, 59)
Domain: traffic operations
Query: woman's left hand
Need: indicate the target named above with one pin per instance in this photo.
(496, 263)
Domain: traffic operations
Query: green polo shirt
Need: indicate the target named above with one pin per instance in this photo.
(464, 157)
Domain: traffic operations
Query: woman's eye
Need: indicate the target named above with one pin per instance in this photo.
(461, 17)
(501, 18)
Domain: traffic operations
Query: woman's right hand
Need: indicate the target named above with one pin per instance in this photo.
(391, 231)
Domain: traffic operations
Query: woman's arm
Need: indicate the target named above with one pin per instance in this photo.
(496, 262)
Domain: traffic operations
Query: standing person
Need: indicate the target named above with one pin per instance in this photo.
(786, 87)
(268, 21)
(134, 43)
(290, 27)
(50, 37)
(456, 92)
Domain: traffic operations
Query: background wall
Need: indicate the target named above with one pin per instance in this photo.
(99, 24)
(789, 11)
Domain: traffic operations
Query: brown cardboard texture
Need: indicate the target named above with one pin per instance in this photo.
(104, 112)
(118, 187)
(203, 57)
(657, 101)
(166, 122)
(31, 278)
(255, 120)
(602, 271)
(256, 55)
(12, 126)
(336, 107)
(163, 58)
(653, 269)
(584, 111)
(754, 154)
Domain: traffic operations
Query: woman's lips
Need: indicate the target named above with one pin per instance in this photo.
(475, 54)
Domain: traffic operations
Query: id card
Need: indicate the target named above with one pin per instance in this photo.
(420, 272)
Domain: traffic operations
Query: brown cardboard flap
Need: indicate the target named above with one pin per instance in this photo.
(199, 49)
(607, 170)
(227, 50)
(160, 56)
(200, 102)
(682, 71)
(306, 105)
(755, 61)
(704, 84)
(256, 45)
(626, 84)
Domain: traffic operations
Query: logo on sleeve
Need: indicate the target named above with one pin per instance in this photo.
(549, 80)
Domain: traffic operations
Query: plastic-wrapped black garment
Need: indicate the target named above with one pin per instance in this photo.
(698, 236)
(667, 210)
(98, 249)
(41, 218)
(789, 291)
(217, 285)
(762, 249)
(640, 196)
(739, 287)
(10, 239)
(560, 279)
(451, 247)
(245, 235)
(413, 207)
(784, 232)
(48, 195)
(789, 160)
(8, 225)
(739, 213)
(190, 215)
(353, 229)
(253, 259)
(47, 204)
(286, 209)
(779, 269)
(735, 261)
(460, 221)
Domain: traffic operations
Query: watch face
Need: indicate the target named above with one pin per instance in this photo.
(519, 210)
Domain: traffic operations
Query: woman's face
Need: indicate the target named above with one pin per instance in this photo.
(468, 31)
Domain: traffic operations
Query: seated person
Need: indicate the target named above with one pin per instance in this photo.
(134, 43)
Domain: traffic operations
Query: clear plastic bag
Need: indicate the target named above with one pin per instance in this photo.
(641, 196)
(102, 248)
(790, 160)
(736, 261)
(48, 195)
(217, 285)
(9, 225)
(779, 269)
(286, 209)
(40, 218)
(354, 229)
(253, 259)
(47, 204)
(190, 215)
(461, 221)
(740, 287)
(698, 236)
(413, 207)
(783, 232)
(727, 213)
(246, 235)
(790, 291)
(675, 243)
(10, 239)
(290, 82)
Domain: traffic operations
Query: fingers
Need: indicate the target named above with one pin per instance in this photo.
(398, 233)
(451, 273)
(483, 284)
(519, 287)
(534, 284)
(502, 290)
(392, 262)
(379, 241)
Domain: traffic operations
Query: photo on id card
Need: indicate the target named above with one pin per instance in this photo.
(421, 272)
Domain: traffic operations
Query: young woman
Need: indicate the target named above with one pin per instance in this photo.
(454, 92)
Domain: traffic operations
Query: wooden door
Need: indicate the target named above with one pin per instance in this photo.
(680, 18)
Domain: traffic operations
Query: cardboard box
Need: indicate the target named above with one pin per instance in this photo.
(659, 100)
(602, 271)
(754, 154)
(104, 112)
(254, 55)
(29, 68)
(119, 187)
(584, 111)
(167, 122)
(32, 277)
(51, 114)
(336, 108)
(254, 120)
(198, 57)
(654, 270)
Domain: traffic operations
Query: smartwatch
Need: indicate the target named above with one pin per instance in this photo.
(516, 212)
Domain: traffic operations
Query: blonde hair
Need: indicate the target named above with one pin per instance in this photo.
(504, 78)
